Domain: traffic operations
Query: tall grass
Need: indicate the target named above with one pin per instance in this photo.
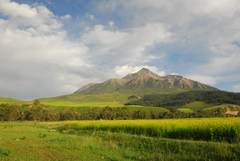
(37, 141)
(208, 129)
(4, 152)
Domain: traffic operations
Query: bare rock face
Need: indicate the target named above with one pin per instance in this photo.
(145, 79)
(142, 75)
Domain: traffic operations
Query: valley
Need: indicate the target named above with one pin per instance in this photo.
(140, 117)
(119, 80)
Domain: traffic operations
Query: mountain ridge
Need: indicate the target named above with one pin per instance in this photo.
(144, 79)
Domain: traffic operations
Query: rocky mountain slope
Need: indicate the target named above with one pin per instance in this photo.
(144, 80)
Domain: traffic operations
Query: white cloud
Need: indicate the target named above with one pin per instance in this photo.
(125, 46)
(174, 73)
(35, 18)
(37, 57)
(236, 88)
(208, 30)
(111, 23)
(203, 79)
(10, 8)
(190, 6)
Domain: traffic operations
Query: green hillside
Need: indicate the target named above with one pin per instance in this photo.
(180, 99)
(113, 99)
(11, 101)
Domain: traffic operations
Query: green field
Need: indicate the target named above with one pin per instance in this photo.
(11, 101)
(112, 99)
(97, 100)
(136, 140)
(185, 102)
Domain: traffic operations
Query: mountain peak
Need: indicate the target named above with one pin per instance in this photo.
(145, 79)
(142, 74)
(144, 70)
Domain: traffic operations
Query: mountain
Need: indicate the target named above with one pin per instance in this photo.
(148, 89)
(144, 80)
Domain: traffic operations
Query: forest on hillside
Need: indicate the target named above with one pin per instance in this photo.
(175, 100)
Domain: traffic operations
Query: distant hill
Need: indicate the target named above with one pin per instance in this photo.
(144, 80)
(179, 99)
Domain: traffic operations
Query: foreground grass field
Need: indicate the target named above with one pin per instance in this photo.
(136, 140)
(211, 129)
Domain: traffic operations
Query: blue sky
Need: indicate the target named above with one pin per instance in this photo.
(64, 44)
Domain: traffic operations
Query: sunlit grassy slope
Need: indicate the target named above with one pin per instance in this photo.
(86, 102)
(113, 99)
(121, 140)
(11, 101)
(194, 106)
(93, 100)
(197, 105)
(206, 107)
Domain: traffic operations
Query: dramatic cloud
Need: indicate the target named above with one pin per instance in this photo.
(207, 32)
(13, 9)
(236, 88)
(40, 56)
(113, 47)
(36, 54)
(204, 79)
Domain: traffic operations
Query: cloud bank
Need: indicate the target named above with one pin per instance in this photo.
(40, 58)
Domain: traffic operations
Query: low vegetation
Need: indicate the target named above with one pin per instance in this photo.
(41, 112)
(212, 129)
(4, 152)
(136, 140)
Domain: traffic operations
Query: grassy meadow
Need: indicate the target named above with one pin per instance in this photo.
(12, 101)
(122, 140)
(138, 138)
(88, 100)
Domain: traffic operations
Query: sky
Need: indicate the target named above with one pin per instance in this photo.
(53, 47)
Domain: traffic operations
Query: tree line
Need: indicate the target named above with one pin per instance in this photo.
(39, 112)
